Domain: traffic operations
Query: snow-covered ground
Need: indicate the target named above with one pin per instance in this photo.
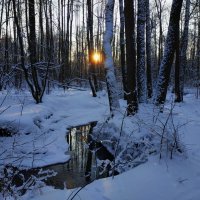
(163, 179)
(42, 127)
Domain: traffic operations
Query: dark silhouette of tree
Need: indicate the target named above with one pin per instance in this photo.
(122, 47)
(148, 51)
(132, 95)
(32, 52)
(141, 74)
(182, 60)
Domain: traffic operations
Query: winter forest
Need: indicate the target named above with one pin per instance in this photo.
(100, 99)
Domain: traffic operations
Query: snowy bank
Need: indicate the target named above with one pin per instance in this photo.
(41, 128)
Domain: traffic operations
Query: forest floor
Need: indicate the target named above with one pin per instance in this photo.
(40, 141)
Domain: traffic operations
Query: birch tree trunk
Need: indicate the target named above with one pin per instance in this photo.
(165, 67)
(109, 64)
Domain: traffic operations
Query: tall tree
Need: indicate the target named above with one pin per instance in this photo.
(179, 77)
(122, 46)
(32, 51)
(132, 95)
(198, 46)
(90, 39)
(160, 8)
(21, 44)
(6, 57)
(1, 16)
(41, 56)
(32, 78)
(141, 74)
(148, 51)
(109, 64)
(165, 67)
(177, 88)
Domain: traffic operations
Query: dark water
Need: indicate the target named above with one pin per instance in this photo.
(82, 166)
(89, 160)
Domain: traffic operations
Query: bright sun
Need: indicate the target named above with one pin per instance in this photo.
(96, 57)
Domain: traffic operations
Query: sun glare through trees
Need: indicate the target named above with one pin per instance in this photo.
(94, 88)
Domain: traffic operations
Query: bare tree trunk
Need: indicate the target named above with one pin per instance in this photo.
(51, 38)
(41, 52)
(177, 70)
(70, 38)
(183, 55)
(198, 50)
(6, 57)
(59, 35)
(32, 51)
(122, 47)
(109, 64)
(1, 16)
(148, 51)
(141, 74)
(114, 41)
(132, 100)
(22, 54)
(83, 41)
(90, 39)
(160, 45)
(32, 79)
(165, 68)
(193, 49)
(156, 67)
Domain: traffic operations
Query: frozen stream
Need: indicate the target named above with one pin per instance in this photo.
(82, 167)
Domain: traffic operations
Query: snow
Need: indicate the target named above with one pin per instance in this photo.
(109, 63)
(47, 124)
(163, 179)
(154, 180)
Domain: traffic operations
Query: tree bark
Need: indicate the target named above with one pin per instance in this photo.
(177, 71)
(183, 56)
(32, 51)
(148, 51)
(170, 44)
(141, 74)
(160, 44)
(132, 95)
(92, 75)
(198, 50)
(109, 64)
(122, 48)
(22, 54)
(1, 16)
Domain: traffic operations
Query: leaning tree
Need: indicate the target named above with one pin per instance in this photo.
(170, 47)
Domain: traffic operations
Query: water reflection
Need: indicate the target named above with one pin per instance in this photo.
(81, 168)
(86, 154)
